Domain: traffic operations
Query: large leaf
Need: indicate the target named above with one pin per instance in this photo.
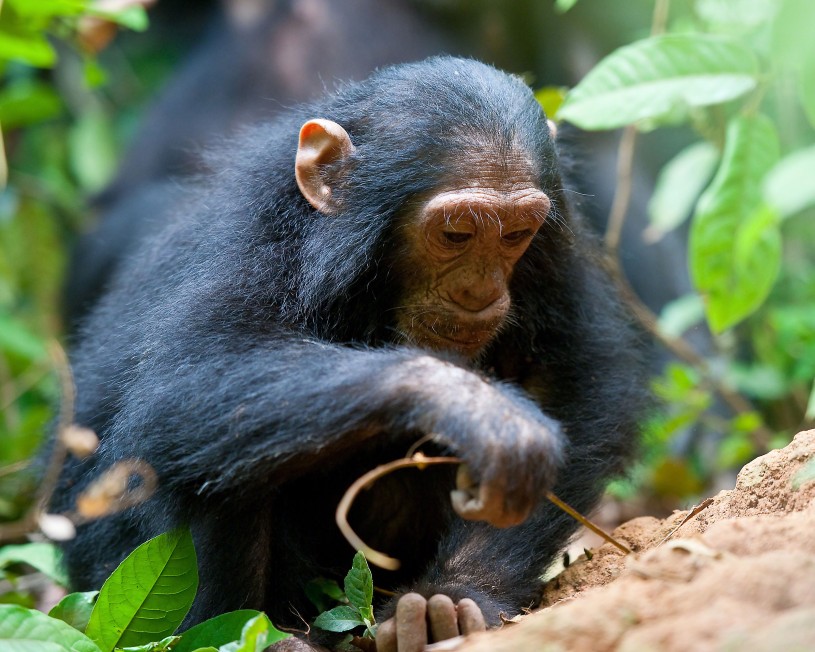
(26, 630)
(735, 246)
(225, 628)
(657, 77)
(790, 186)
(148, 595)
(679, 185)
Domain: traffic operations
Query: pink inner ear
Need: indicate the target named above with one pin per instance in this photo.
(321, 142)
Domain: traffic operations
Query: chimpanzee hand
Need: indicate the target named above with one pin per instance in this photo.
(511, 450)
(418, 622)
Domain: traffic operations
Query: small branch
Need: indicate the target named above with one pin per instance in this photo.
(587, 523)
(66, 415)
(365, 481)
(28, 522)
(418, 460)
(707, 502)
(622, 197)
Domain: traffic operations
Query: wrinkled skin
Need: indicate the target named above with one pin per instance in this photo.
(418, 622)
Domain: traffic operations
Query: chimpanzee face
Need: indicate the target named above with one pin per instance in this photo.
(457, 247)
(461, 249)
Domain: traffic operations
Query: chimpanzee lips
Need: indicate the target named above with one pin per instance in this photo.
(467, 339)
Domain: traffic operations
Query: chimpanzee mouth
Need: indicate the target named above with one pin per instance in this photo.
(466, 341)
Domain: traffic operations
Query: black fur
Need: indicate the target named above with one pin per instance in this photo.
(248, 354)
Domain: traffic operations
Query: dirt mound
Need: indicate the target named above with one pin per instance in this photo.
(737, 573)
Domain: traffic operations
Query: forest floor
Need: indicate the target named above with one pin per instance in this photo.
(736, 574)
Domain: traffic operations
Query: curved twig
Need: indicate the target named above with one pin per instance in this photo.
(419, 460)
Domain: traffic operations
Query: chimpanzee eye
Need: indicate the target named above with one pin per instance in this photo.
(456, 237)
(517, 236)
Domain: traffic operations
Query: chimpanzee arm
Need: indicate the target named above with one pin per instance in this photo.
(241, 419)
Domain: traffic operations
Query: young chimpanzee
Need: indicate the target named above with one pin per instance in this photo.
(396, 261)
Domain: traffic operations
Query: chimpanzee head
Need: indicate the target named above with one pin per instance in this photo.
(459, 159)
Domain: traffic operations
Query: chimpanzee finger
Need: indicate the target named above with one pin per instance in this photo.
(441, 612)
(386, 636)
(411, 626)
(474, 501)
(470, 618)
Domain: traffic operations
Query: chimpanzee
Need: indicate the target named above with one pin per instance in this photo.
(396, 261)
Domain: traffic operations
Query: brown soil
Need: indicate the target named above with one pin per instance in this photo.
(738, 576)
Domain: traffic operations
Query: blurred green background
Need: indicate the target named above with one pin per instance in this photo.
(67, 112)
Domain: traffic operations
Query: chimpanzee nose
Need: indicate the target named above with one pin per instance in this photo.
(476, 297)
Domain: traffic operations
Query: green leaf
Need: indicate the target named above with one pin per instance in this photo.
(257, 634)
(789, 186)
(148, 595)
(26, 630)
(339, 619)
(164, 645)
(323, 592)
(75, 609)
(678, 187)
(359, 583)
(45, 557)
(92, 150)
(657, 77)
(48, 8)
(551, 99)
(26, 102)
(16, 338)
(562, 6)
(33, 49)
(93, 73)
(760, 381)
(735, 244)
(222, 629)
(735, 450)
(736, 14)
(681, 314)
(132, 17)
(792, 42)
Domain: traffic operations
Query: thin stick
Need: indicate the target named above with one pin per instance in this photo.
(707, 502)
(419, 461)
(24, 525)
(365, 482)
(587, 523)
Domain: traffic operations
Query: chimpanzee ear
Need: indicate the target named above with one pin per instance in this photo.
(321, 142)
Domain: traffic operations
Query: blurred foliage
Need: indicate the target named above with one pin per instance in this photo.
(740, 74)
(63, 121)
